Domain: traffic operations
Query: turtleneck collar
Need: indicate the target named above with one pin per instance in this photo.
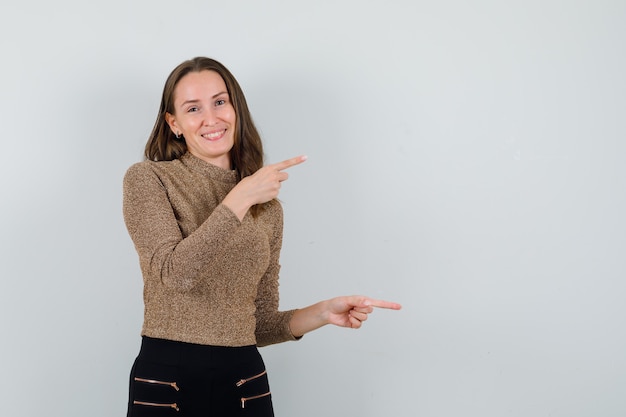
(205, 168)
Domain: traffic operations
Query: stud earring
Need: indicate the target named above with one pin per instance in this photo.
(177, 134)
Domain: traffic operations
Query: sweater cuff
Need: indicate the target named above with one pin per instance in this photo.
(280, 333)
(228, 213)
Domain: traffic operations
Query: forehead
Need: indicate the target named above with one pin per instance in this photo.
(198, 86)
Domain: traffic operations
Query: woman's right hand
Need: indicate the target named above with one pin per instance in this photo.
(260, 187)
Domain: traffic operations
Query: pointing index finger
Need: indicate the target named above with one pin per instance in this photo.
(383, 304)
(288, 163)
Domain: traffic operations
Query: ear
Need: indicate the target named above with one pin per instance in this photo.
(171, 121)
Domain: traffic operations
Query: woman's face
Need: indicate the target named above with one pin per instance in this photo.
(204, 115)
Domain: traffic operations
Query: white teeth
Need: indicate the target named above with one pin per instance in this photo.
(213, 135)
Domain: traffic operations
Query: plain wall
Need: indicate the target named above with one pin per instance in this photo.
(466, 158)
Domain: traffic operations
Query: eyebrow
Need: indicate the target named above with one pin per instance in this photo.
(195, 101)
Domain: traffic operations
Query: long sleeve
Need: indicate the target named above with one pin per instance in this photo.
(180, 261)
(272, 325)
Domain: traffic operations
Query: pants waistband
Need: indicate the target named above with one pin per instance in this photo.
(173, 352)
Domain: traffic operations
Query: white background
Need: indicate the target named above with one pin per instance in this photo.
(466, 158)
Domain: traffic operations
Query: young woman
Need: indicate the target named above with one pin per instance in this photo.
(204, 218)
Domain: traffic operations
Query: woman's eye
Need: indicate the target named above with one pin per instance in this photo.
(220, 102)
(192, 109)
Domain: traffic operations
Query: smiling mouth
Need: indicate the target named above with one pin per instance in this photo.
(214, 135)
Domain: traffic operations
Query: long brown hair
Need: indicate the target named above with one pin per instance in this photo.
(246, 156)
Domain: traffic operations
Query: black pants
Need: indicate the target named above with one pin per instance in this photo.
(181, 379)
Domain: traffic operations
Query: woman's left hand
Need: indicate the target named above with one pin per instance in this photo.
(347, 311)
(352, 311)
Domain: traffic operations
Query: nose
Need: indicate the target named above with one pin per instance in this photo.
(210, 118)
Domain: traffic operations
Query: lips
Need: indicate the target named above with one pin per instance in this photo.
(214, 135)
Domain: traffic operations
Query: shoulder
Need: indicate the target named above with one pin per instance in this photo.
(272, 214)
(271, 217)
(274, 209)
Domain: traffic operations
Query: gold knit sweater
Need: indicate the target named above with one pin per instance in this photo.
(208, 278)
